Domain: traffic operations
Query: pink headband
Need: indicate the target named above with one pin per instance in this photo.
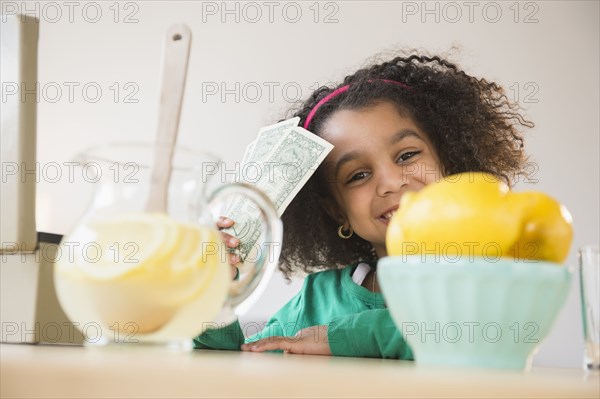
(337, 92)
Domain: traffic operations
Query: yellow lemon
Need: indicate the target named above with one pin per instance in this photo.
(546, 228)
(462, 215)
(475, 214)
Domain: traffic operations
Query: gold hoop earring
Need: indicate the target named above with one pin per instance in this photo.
(345, 235)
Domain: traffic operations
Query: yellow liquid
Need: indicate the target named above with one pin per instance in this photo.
(143, 275)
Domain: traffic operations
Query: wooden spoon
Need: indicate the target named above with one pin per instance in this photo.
(176, 53)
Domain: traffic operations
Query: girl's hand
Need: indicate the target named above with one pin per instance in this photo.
(231, 242)
(309, 341)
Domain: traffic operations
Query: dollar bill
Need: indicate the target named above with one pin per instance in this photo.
(249, 150)
(286, 163)
(267, 139)
(258, 151)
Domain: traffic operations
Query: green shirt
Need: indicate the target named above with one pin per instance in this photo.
(358, 322)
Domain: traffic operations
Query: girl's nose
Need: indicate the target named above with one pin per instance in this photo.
(391, 181)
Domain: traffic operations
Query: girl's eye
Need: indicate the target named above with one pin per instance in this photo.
(408, 155)
(357, 176)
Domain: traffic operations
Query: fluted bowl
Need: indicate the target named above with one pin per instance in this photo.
(473, 312)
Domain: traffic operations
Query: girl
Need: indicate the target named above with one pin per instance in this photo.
(396, 127)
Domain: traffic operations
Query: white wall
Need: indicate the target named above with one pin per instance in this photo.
(552, 59)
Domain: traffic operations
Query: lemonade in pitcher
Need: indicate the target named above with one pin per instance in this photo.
(132, 276)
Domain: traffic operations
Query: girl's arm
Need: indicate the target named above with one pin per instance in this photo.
(371, 333)
(229, 337)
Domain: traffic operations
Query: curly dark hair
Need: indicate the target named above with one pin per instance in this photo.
(471, 123)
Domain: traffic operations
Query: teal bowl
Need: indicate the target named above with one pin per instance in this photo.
(473, 313)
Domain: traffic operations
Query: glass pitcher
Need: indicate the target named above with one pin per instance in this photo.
(129, 276)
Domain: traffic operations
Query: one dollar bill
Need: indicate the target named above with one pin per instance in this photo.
(287, 157)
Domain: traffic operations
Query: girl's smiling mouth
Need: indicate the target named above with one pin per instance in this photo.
(387, 215)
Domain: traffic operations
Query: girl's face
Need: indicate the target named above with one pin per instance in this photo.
(378, 156)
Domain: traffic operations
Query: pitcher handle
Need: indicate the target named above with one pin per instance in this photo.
(246, 291)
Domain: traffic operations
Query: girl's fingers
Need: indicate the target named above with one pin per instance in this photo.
(269, 344)
(233, 259)
(232, 242)
(224, 222)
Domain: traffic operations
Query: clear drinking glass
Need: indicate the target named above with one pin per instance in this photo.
(589, 278)
(126, 275)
